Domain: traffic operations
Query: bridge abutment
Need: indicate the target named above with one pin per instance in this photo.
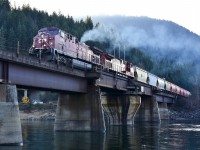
(10, 124)
(120, 109)
(80, 112)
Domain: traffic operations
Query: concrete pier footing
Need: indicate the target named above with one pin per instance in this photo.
(10, 125)
(80, 112)
(135, 102)
(86, 112)
(120, 109)
(148, 110)
(163, 111)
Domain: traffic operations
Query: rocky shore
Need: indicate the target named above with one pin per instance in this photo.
(41, 115)
(48, 112)
(185, 114)
(37, 112)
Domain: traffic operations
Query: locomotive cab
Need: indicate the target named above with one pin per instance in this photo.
(54, 44)
(44, 41)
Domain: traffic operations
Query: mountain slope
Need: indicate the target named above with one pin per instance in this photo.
(172, 51)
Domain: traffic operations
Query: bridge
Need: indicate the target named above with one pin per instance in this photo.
(90, 97)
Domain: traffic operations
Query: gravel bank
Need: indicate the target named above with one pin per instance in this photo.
(37, 112)
(46, 112)
(37, 115)
(185, 114)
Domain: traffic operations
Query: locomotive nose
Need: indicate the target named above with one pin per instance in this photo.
(42, 36)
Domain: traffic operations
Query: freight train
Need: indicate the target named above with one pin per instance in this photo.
(61, 46)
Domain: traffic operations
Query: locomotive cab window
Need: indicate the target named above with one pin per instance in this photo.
(50, 31)
(62, 34)
(53, 32)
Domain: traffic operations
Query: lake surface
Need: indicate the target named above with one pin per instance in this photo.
(162, 136)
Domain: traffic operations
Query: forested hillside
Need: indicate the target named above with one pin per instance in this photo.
(22, 24)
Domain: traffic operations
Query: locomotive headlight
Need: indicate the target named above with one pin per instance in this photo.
(51, 43)
(45, 40)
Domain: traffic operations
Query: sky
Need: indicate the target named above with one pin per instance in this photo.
(183, 12)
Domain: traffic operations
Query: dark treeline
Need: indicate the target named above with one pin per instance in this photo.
(22, 23)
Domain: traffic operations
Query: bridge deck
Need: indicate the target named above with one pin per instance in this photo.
(24, 70)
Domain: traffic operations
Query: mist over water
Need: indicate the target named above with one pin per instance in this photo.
(159, 39)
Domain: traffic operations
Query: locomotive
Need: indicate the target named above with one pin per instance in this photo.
(58, 45)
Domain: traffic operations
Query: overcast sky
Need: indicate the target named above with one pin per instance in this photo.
(183, 12)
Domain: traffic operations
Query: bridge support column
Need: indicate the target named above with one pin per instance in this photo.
(163, 110)
(80, 112)
(120, 109)
(148, 110)
(135, 102)
(10, 125)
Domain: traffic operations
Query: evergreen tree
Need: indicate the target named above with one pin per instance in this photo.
(4, 11)
(11, 42)
(5, 6)
(89, 23)
(2, 40)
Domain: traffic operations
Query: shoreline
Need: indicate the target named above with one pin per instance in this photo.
(35, 115)
(46, 114)
(185, 115)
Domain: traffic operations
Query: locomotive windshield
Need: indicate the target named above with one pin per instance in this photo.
(50, 31)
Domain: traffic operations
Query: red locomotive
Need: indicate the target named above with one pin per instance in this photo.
(51, 40)
(62, 46)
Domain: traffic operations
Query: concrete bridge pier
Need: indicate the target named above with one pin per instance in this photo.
(120, 109)
(149, 110)
(163, 111)
(80, 112)
(10, 125)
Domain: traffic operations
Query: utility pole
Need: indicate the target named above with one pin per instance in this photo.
(18, 49)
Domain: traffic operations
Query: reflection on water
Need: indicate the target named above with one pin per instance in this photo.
(166, 135)
(79, 140)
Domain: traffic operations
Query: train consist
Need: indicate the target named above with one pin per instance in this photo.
(61, 46)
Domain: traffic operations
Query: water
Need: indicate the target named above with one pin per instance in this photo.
(164, 136)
